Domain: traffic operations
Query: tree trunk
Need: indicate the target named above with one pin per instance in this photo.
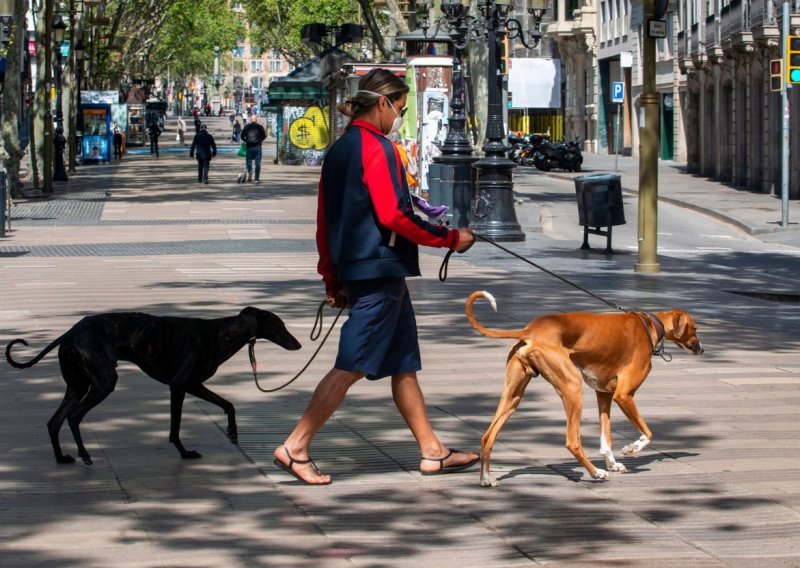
(372, 24)
(41, 98)
(11, 104)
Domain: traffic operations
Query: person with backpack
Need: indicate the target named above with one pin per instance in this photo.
(205, 148)
(253, 134)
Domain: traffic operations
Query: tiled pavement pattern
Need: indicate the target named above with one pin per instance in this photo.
(717, 487)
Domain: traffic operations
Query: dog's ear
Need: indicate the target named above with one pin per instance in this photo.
(680, 322)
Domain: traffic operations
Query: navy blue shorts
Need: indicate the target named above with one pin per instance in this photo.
(379, 337)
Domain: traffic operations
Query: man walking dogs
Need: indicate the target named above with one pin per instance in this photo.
(253, 135)
(367, 238)
(204, 147)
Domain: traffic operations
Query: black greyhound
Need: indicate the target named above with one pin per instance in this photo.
(179, 352)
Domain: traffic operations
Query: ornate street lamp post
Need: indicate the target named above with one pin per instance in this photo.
(59, 141)
(492, 205)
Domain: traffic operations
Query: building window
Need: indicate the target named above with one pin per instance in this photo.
(275, 66)
(256, 65)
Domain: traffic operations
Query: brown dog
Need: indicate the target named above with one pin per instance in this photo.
(610, 352)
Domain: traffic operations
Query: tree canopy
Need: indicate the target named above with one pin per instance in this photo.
(276, 24)
(179, 36)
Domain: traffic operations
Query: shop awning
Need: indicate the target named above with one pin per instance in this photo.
(307, 81)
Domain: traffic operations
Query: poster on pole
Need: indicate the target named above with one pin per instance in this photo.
(534, 82)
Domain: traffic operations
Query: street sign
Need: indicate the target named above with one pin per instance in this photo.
(617, 92)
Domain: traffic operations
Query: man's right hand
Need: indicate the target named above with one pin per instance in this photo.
(338, 300)
(465, 240)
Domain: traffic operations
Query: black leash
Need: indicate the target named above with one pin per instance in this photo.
(316, 331)
(443, 271)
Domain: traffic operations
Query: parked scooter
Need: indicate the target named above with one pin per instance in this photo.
(523, 150)
(560, 155)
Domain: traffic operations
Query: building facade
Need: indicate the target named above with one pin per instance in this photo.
(733, 120)
(712, 73)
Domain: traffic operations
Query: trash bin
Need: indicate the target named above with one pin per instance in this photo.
(599, 199)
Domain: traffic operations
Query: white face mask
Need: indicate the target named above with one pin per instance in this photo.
(397, 124)
(398, 121)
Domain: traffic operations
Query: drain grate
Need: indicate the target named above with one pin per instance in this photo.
(770, 296)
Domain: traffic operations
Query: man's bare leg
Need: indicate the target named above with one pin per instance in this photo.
(326, 399)
(411, 404)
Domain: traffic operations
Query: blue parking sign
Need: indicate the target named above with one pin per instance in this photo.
(617, 92)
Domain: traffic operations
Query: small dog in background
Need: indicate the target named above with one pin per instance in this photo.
(611, 353)
(180, 352)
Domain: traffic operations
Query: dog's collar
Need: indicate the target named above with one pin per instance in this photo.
(657, 345)
(252, 330)
(252, 326)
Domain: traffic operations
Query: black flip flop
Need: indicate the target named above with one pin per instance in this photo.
(290, 470)
(450, 469)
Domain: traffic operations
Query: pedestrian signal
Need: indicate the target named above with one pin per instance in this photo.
(793, 59)
(776, 75)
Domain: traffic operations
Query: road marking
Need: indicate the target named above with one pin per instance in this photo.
(715, 248)
(718, 236)
(763, 381)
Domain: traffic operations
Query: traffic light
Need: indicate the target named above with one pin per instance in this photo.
(776, 75)
(793, 59)
(504, 57)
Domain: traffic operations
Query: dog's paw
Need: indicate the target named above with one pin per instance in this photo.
(65, 459)
(635, 447)
(233, 435)
(618, 468)
(191, 455)
(600, 474)
(489, 482)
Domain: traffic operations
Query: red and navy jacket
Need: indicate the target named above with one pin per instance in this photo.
(366, 225)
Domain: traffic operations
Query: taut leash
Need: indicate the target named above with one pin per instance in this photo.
(657, 348)
(443, 271)
(316, 331)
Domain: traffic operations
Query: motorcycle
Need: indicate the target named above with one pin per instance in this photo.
(560, 155)
(523, 150)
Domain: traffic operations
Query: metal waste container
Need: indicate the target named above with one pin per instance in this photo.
(599, 199)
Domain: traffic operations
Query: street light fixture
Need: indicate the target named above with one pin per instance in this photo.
(59, 29)
(493, 204)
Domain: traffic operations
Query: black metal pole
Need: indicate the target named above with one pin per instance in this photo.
(454, 179)
(493, 207)
(59, 141)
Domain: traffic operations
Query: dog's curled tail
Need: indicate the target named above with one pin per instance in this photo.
(499, 333)
(33, 361)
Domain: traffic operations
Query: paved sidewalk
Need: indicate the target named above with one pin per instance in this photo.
(717, 487)
(756, 213)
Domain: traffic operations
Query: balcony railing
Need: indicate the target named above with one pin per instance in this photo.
(734, 19)
(762, 13)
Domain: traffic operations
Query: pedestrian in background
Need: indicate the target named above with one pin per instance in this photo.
(119, 139)
(154, 131)
(204, 147)
(237, 131)
(253, 135)
(368, 240)
(181, 131)
(197, 123)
